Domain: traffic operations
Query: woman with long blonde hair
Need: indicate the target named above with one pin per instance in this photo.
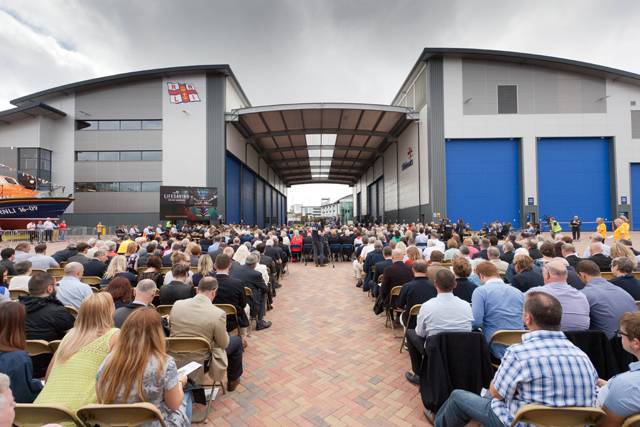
(131, 255)
(241, 254)
(117, 267)
(139, 370)
(205, 268)
(71, 375)
(620, 250)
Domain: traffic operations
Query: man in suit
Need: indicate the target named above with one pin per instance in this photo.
(508, 253)
(569, 253)
(228, 251)
(152, 249)
(602, 261)
(373, 257)
(622, 268)
(417, 291)
(379, 269)
(485, 243)
(97, 266)
(144, 294)
(275, 254)
(220, 250)
(166, 258)
(81, 256)
(397, 274)
(177, 289)
(532, 246)
(231, 291)
(253, 280)
(526, 276)
(198, 317)
(494, 257)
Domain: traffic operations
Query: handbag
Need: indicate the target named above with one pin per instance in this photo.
(378, 307)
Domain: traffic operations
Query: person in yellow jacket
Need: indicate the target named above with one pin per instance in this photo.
(622, 230)
(602, 229)
(555, 227)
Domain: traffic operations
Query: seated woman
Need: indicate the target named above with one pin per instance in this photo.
(154, 264)
(241, 254)
(334, 239)
(71, 376)
(120, 290)
(297, 238)
(180, 258)
(117, 268)
(139, 370)
(4, 287)
(452, 248)
(14, 359)
(131, 256)
(205, 268)
(548, 252)
(413, 254)
(195, 252)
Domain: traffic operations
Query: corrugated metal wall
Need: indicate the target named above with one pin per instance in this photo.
(141, 219)
(260, 214)
(248, 197)
(234, 191)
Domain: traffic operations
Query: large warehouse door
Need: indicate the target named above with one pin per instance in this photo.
(233, 190)
(260, 202)
(248, 197)
(267, 198)
(574, 179)
(373, 201)
(483, 183)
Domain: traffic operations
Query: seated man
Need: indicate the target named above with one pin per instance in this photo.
(575, 307)
(602, 261)
(8, 255)
(494, 257)
(532, 246)
(464, 287)
(372, 258)
(198, 317)
(597, 238)
(486, 244)
(177, 289)
(231, 291)
(435, 265)
(529, 373)
(253, 279)
(621, 267)
(569, 253)
(508, 253)
(71, 291)
(417, 291)
(620, 396)
(445, 313)
(40, 261)
(397, 274)
(496, 306)
(97, 266)
(607, 302)
(22, 252)
(379, 268)
(81, 256)
(144, 294)
(47, 318)
(23, 271)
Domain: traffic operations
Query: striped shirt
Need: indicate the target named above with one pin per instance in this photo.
(546, 369)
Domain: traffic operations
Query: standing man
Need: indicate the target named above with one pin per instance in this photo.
(316, 236)
(555, 227)
(575, 224)
(48, 229)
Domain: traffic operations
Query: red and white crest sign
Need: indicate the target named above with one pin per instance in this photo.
(182, 92)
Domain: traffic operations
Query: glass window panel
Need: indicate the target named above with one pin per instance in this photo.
(87, 156)
(10, 180)
(86, 125)
(109, 125)
(152, 124)
(131, 124)
(28, 164)
(45, 175)
(45, 165)
(152, 155)
(130, 156)
(129, 186)
(83, 187)
(109, 156)
(45, 154)
(151, 186)
(111, 187)
(28, 153)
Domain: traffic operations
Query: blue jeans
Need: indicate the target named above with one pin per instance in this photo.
(62, 233)
(464, 406)
(187, 399)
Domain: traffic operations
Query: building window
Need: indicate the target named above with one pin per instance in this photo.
(508, 99)
(115, 156)
(37, 163)
(109, 156)
(130, 156)
(118, 187)
(131, 125)
(151, 156)
(118, 124)
(86, 156)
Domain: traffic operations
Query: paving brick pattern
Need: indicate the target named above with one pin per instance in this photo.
(326, 361)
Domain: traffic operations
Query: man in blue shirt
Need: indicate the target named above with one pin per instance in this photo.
(71, 291)
(607, 302)
(620, 396)
(495, 305)
(546, 369)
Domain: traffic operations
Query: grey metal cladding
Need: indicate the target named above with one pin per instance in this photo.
(507, 99)
(435, 129)
(90, 220)
(635, 124)
(216, 147)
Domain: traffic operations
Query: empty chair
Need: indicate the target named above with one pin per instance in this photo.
(36, 415)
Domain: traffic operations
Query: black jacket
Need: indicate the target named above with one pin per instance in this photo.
(122, 313)
(417, 291)
(231, 291)
(603, 262)
(464, 289)
(175, 291)
(508, 257)
(373, 257)
(94, 268)
(379, 268)
(596, 345)
(398, 274)
(215, 253)
(8, 264)
(629, 283)
(166, 260)
(535, 253)
(126, 274)
(482, 254)
(526, 280)
(253, 280)
(273, 253)
(81, 258)
(573, 279)
(47, 319)
(573, 260)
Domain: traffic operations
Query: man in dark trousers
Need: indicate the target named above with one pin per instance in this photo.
(316, 236)
(575, 224)
(379, 269)
(253, 280)
(373, 257)
(417, 291)
(397, 274)
(231, 291)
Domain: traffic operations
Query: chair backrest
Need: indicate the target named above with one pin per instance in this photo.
(37, 271)
(248, 292)
(118, 415)
(15, 293)
(95, 290)
(544, 416)
(91, 280)
(36, 415)
(380, 277)
(142, 269)
(507, 337)
(165, 270)
(9, 279)
(194, 270)
(182, 345)
(395, 291)
(415, 310)
(296, 248)
(56, 271)
(632, 421)
(72, 310)
(638, 305)
(230, 310)
(63, 264)
(164, 309)
(637, 274)
(53, 345)
(37, 347)
(607, 275)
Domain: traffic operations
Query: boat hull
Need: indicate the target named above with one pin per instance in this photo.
(16, 213)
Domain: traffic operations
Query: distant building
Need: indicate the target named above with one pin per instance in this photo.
(342, 207)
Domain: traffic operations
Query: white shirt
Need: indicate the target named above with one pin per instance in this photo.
(22, 256)
(134, 231)
(20, 282)
(606, 251)
(444, 313)
(169, 278)
(366, 250)
(42, 262)
(71, 291)
(48, 225)
(31, 226)
(263, 270)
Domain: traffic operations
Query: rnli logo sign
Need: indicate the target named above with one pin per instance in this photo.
(182, 92)
(409, 162)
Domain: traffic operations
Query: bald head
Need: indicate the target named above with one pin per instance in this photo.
(554, 272)
(595, 248)
(397, 255)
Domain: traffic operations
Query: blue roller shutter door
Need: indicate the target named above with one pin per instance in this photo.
(248, 197)
(260, 202)
(635, 194)
(233, 190)
(267, 198)
(574, 179)
(482, 181)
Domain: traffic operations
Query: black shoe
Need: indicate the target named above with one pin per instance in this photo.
(359, 284)
(263, 325)
(278, 286)
(413, 379)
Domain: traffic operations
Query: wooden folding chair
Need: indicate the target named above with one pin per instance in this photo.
(53, 345)
(36, 415)
(72, 310)
(632, 421)
(607, 275)
(15, 293)
(142, 269)
(164, 309)
(394, 292)
(230, 310)
(506, 337)
(194, 270)
(119, 415)
(571, 416)
(56, 271)
(249, 295)
(165, 270)
(95, 290)
(91, 280)
(37, 271)
(638, 305)
(415, 310)
(37, 347)
(193, 345)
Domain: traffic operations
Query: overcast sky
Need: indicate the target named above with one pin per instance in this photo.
(294, 51)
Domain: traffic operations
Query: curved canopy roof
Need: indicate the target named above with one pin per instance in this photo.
(321, 143)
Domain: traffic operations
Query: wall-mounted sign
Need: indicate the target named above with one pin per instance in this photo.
(409, 161)
(530, 201)
(182, 92)
(188, 203)
(623, 200)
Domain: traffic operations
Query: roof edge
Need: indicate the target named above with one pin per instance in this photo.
(31, 105)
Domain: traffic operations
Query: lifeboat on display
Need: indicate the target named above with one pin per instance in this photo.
(19, 205)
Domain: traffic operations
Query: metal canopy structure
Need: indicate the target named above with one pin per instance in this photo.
(321, 143)
(32, 110)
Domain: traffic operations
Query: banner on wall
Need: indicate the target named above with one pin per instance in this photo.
(188, 203)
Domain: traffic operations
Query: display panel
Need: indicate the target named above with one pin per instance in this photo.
(188, 203)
